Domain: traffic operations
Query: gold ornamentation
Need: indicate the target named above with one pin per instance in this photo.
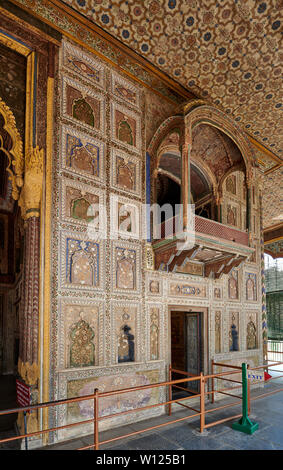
(31, 373)
(186, 108)
(31, 193)
(28, 372)
(15, 154)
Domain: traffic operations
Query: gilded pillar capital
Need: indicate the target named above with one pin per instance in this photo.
(28, 372)
(249, 178)
(31, 193)
(218, 197)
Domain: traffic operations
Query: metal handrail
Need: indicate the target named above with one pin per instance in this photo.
(96, 396)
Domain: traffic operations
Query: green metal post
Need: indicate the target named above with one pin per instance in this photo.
(245, 425)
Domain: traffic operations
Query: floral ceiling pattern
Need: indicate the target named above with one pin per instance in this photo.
(228, 52)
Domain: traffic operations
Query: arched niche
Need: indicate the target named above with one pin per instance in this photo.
(228, 150)
(205, 114)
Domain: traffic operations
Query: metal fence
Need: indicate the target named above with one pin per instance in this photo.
(275, 350)
(207, 389)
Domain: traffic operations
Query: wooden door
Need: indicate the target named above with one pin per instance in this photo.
(186, 345)
(193, 347)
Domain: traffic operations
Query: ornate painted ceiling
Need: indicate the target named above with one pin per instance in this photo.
(228, 52)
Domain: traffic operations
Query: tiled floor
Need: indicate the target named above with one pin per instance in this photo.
(185, 435)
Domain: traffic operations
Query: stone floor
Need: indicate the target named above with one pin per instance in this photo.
(267, 412)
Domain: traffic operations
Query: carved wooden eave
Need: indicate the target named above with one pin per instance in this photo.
(223, 266)
(217, 256)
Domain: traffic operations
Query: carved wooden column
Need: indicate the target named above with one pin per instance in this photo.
(30, 200)
(249, 202)
(262, 270)
(186, 183)
(218, 198)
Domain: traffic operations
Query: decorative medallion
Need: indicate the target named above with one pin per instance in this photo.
(124, 90)
(83, 65)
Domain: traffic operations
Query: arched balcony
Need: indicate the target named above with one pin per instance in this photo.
(196, 161)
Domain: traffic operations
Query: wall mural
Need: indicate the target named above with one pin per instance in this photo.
(115, 403)
(125, 174)
(251, 286)
(125, 127)
(126, 332)
(217, 332)
(154, 333)
(233, 287)
(82, 154)
(83, 105)
(84, 65)
(113, 323)
(82, 263)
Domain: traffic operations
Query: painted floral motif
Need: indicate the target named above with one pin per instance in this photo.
(125, 171)
(154, 334)
(81, 206)
(125, 93)
(82, 347)
(125, 128)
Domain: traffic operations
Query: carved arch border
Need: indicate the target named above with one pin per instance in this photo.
(15, 153)
(205, 114)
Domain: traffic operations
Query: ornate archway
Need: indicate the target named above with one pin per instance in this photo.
(25, 173)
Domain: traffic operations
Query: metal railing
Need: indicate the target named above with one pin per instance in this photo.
(275, 350)
(204, 383)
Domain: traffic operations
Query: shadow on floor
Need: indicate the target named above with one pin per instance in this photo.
(7, 401)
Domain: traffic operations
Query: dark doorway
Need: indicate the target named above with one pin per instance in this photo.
(186, 348)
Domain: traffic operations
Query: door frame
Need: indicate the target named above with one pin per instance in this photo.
(204, 338)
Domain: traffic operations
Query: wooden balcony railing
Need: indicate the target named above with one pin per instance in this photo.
(204, 226)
